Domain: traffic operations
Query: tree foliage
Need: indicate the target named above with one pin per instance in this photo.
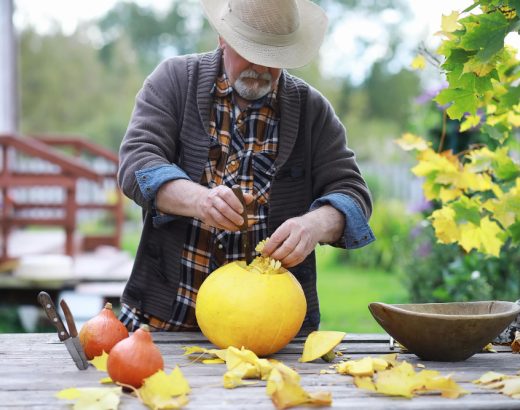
(478, 190)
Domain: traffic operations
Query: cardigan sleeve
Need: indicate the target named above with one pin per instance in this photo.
(151, 139)
(334, 166)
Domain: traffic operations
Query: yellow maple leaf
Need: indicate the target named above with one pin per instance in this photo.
(431, 162)
(469, 236)
(100, 362)
(511, 387)
(364, 382)
(491, 243)
(449, 194)
(402, 380)
(366, 366)
(409, 141)
(192, 350)
(321, 343)
(418, 63)
(162, 390)
(285, 392)
(88, 398)
(215, 360)
(470, 121)
(397, 381)
(450, 22)
(446, 229)
(489, 377)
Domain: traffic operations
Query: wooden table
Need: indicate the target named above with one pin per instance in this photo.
(33, 367)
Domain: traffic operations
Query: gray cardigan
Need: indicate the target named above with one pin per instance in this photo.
(169, 125)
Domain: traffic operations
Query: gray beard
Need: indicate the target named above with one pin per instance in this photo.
(246, 91)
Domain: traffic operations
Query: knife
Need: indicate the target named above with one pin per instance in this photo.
(73, 332)
(243, 229)
(50, 310)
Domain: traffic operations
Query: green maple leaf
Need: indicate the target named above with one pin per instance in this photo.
(466, 210)
(498, 132)
(487, 37)
(505, 167)
(463, 101)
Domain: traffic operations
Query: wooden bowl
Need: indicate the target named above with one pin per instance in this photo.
(445, 331)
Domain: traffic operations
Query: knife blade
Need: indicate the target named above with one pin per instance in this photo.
(50, 310)
(243, 229)
(73, 332)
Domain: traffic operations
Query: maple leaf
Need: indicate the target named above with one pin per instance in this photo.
(409, 141)
(201, 351)
(470, 121)
(484, 237)
(443, 221)
(487, 36)
(321, 343)
(364, 382)
(450, 22)
(462, 101)
(100, 362)
(285, 391)
(505, 208)
(92, 398)
(366, 366)
(489, 377)
(511, 387)
(165, 391)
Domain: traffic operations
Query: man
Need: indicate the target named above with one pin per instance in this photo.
(203, 123)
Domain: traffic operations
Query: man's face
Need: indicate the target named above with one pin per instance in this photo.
(250, 81)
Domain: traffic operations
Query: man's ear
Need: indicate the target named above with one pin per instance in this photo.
(221, 42)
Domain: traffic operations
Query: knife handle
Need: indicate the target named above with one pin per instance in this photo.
(50, 310)
(238, 193)
(245, 235)
(71, 325)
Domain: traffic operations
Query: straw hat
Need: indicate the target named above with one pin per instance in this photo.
(272, 33)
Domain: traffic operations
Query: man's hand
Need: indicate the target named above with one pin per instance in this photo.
(218, 207)
(297, 237)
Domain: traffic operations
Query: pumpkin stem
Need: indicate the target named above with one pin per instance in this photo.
(108, 306)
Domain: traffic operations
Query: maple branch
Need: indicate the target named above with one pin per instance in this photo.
(443, 132)
(472, 147)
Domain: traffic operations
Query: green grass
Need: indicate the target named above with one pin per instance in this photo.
(345, 292)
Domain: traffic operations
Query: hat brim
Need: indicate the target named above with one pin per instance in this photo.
(307, 39)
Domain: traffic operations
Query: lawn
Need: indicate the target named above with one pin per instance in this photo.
(345, 292)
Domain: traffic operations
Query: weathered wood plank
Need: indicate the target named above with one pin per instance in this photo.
(34, 367)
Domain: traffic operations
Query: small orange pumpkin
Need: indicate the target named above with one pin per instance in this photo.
(134, 359)
(101, 332)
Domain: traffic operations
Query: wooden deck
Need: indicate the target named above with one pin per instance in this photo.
(34, 367)
(102, 272)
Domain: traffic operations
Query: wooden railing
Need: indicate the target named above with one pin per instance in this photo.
(65, 163)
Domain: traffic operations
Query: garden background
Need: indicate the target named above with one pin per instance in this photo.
(83, 82)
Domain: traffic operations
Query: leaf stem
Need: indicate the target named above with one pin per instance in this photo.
(443, 132)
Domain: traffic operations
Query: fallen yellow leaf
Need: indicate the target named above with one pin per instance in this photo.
(100, 362)
(92, 398)
(321, 343)
(285, 392)
(161, 390)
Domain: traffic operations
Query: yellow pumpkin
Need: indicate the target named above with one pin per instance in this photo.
(260, 306)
